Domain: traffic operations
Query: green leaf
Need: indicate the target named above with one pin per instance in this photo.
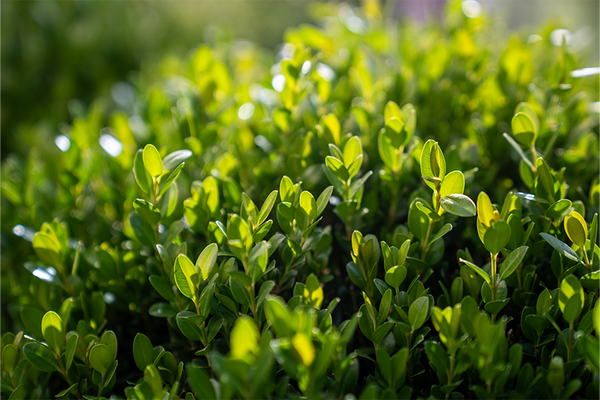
(544, 179)
(557, 209)
(10, 358)
(251, 209)
(206, 260)
(521, 154)
(418, 312)
(561, 247)
(32, 319)
(163, 288)
(199, 382)
(512, 261)
(240, 292)
(571, 298)
(496, 237)
(323, 199)
(70, 349)
(110, 339)
(147, 211)
(425, 209)
(285, 217)
(48, 249)
(68, 390)
(337, 168)
(143, 352)
(438, 358)
(494, 307)
(139, 172)
(40, 357)
(596, 318)
(142, 230)
(152, 161)
(576, 228)
(395, 276)
(458, 204)
(175, 159)
(170, 180)
(53, 331)
(313, 291)
(278, 315)
(267, 206)
(477, 270)
(101, 358)
(443, 230)
(382, 331)
(19, 393)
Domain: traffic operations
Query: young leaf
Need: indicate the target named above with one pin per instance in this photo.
(323, 199)
(147, 211)
(244, 338)
(139, 172)
(175, 159)
(152, 161)
(206, 260)
(523, 129)
(576, 228)
(167, 184)
(453, 183)
(337, 168)
(53, 331)
(267, 206)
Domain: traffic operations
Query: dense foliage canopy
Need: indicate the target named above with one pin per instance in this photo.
(376, 211)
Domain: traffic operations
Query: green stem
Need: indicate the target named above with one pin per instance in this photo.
(570, 348)
(427, 237)
(101, 386)
(494, 285)
(65, 373)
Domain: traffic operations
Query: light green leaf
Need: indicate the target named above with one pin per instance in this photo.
(206, 260)
(337, 168)
(576, 228)
(152, 161)
(418, 312)
(244, 338)
(139, 172)
(453, 183)
(53, 331)
(267, 206)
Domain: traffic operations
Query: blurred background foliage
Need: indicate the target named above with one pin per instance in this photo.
(58, 56)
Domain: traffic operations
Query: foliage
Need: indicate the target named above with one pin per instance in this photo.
(383, 208)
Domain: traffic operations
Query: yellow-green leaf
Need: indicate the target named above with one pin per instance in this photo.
(152, 161)
(244, 338)
(53, 331)
(304, 347)
(576, 228)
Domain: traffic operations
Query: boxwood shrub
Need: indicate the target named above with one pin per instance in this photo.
(375, 211)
